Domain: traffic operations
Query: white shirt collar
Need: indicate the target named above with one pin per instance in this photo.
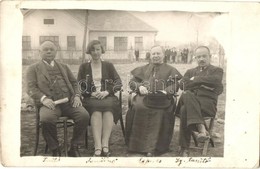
(51, 64)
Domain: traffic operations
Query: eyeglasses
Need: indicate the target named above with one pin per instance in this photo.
(48, 49)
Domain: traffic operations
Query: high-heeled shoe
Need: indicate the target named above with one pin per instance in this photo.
(97, 153)
(106, 153)
(149, 154)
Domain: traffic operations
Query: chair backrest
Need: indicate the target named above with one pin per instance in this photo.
(130, 98)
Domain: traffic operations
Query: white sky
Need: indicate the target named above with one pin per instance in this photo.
(179, 27)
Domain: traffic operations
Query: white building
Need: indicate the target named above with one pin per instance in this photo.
(118, 31)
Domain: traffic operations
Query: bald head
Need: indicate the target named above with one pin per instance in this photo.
(157, 54)
(48, 51)
(202, 55)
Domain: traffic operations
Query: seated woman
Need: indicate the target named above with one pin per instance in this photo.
(98, 82)
(150, 119)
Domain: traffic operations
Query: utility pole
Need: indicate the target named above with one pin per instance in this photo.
(85, 37)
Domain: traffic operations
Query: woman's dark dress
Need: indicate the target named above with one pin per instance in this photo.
(110, 82)
(151, 129)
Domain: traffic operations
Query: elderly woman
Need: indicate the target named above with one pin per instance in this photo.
(98, 82)
(150, 119)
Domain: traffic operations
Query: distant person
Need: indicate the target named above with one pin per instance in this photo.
(148, 56)
(167, 55)
(137, 55)
(149, 123)
(201, 86)
(173, 55)
(131, 55)
(186, 53)
(99, 81)
(48, 81)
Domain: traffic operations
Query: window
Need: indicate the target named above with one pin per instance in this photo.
(54, 39)
(48, 21)
(26, 42)
(120, 43)
(139, 43)
(71, 42)
(103, 41)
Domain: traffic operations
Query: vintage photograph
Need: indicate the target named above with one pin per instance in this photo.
(118, 83)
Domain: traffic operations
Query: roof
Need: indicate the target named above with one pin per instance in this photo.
(117, 21)
(111, 20)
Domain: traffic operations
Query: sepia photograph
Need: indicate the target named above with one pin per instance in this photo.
(141, 113)
(130, 84)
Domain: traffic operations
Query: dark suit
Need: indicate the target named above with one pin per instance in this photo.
(199, 98)
(39, 84)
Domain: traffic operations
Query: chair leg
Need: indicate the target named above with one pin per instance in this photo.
(211, 125)
(205, 148)
(46, 149)
(210, 140)
(37, 139)
(194, 139)
(86, 139)
(65, 138)
(122, 126)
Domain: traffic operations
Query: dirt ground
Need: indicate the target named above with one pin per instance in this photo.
(117, 144)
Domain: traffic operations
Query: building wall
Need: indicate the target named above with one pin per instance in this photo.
(64, 25)
(148, 38)
(148, 42)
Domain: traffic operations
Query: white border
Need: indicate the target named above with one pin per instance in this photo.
(243, 87)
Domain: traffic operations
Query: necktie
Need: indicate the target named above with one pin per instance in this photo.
(202, 68)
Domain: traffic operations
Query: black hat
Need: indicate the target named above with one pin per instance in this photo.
(157, 101)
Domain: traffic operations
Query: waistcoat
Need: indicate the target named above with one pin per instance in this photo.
(58, 87)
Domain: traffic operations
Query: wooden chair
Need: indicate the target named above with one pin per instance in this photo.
(121, 110)
(209, 128)
(63, 122)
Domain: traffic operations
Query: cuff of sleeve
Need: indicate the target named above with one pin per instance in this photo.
(107, 91)
(77, 95)
(42, 98)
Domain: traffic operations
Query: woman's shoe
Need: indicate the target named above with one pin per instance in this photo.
(106, 153)
(149, 154)
(97, 153)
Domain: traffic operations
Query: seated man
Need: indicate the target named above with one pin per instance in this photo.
(150, 118)
(201, 86)
(47, 81)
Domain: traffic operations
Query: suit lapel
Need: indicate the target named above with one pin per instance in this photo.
(43, 70)
(62, 72)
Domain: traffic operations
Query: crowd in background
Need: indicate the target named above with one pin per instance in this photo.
(173, 55)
